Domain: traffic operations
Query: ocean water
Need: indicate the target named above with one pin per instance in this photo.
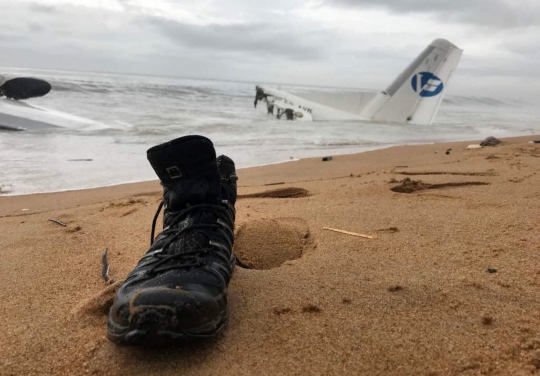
(137, 112)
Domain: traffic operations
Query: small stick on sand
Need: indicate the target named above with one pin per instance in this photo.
(105, 266)
(350, 233)
(57, 222)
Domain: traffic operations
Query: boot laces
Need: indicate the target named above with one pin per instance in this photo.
(190, 258)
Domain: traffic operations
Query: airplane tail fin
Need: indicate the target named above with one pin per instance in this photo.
(416, 94)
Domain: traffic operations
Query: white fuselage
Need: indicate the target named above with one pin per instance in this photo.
(315, 110)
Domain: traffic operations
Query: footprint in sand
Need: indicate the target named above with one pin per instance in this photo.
(290, 192)
(268, 243)
(124, 203)
(261, 244)
(409, 186)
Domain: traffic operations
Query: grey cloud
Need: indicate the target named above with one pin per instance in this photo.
(129, 7)
(10, 38)
(527, 48)
(272, 42)
(40, 8)
(35, 27)
(265, 39)
(477, 72)
(497, 13)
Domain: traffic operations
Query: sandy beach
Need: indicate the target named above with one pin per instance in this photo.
(447, 283)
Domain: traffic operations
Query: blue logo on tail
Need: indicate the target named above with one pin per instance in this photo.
(426, 84)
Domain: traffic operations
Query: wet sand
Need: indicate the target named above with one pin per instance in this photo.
(449, 284)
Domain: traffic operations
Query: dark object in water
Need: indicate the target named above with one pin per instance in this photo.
(326, 159)
(11, 129)
(490, 141)
(57, 222)
(289, 113)
(270, 108)
(491, 270)
(259, 95)
(24, 88)
(448, 151)
(80, 160)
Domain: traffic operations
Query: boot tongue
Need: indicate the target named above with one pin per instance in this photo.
(188, 171)
(192, 239)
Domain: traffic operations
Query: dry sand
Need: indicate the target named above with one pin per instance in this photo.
(417, 300)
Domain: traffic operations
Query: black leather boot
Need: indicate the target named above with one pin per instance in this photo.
(179, 288)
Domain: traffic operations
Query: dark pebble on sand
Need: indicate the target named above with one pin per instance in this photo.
(491, 270)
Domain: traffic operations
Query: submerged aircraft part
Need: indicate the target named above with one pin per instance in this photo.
(24, 88)
(19, 116)
(413, 97)
(16, 115)
(259, 95)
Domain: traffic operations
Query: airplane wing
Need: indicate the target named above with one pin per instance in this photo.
(16, 115)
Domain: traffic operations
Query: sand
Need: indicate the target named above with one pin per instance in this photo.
(449, 285)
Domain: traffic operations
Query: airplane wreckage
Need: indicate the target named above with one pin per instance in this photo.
(413, 97)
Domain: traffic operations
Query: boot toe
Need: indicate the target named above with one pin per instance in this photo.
(167, 313)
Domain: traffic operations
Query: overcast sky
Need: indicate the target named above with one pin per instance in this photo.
(350, 43)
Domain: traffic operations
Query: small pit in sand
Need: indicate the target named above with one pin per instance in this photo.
(268, 243)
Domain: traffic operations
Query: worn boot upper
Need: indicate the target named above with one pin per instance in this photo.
(189, 264)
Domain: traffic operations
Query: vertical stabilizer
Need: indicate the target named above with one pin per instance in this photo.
(416, 94)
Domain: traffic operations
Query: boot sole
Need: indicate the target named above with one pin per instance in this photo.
(155, 327)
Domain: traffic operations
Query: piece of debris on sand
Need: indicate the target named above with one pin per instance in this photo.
(350, 233)
(490, 141)
(409, 186)
(60, 223)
